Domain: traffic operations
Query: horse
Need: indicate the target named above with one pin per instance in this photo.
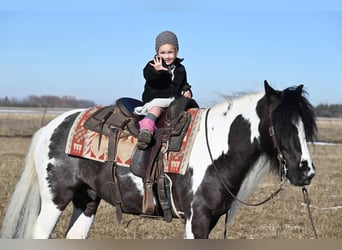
(238, 141)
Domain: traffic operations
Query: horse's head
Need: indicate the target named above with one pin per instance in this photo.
(287, 123)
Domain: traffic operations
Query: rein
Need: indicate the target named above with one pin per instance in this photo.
(307, 202)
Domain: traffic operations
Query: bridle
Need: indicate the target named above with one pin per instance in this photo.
(283, 171)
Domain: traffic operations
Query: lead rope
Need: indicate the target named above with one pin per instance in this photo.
(225, 225)
(307, 202)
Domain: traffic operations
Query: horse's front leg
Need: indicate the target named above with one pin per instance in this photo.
(197, 227)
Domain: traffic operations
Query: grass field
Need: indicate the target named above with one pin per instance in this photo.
(284, 217)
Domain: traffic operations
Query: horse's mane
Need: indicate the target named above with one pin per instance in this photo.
(292, 106)
(240, 96)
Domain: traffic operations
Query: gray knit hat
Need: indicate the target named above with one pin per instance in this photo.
(166, 37)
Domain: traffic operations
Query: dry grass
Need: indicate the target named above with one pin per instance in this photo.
(330, 129)
(23, 124)
(282, 218)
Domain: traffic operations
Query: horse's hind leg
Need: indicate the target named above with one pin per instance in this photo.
(46, 221)
(49, 211)
(85, 205)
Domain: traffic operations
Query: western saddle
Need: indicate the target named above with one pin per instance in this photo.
(148, 164)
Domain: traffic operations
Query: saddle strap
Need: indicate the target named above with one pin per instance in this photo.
(164, 199)
(148, 205)
(112, 146)
(105, 118)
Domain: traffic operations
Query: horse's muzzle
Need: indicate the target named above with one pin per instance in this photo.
(308, 179)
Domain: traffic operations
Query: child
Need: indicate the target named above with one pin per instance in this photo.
(165, 80)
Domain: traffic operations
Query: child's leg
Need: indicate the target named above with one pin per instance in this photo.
(149, 121)
(148, 126)
(156, 111)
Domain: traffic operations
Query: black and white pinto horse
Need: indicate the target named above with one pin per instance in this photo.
(233, 149)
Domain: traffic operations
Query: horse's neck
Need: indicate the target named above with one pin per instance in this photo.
(226, 112)
(222, 115)
(241, 105)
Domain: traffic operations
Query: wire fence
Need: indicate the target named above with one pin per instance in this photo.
(24, 122)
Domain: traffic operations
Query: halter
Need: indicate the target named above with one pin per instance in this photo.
(283, 170)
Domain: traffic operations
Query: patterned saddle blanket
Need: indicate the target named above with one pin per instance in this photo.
(86, 143)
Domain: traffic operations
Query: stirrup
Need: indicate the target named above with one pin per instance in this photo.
(144, 139)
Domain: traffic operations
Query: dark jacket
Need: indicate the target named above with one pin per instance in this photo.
(159, 84)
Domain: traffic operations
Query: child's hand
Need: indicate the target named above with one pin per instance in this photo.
(187, 94)
(158, 64)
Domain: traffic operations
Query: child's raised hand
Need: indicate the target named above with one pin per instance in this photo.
(158, 64)
(187, 94)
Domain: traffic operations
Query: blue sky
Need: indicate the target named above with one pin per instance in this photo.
(96, 51)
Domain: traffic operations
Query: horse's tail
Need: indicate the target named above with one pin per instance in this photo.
(24, 206)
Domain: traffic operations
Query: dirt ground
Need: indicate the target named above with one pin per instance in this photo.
(285, 217)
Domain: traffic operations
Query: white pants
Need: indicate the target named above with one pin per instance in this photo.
(159, 102)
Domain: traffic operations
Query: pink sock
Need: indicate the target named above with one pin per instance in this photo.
(147, 124)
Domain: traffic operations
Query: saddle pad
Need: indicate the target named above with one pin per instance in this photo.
(84, 143)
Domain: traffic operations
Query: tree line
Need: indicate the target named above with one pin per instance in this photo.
(329, 110)
(322, 110)
(49, 101)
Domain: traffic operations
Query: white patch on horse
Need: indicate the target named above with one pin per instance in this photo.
(254, 120)
(188, 234)
(246, 107)
(46, 220)
(200, 158)
(41, 154)
(304, 147)
(80, 228)
(138, 182)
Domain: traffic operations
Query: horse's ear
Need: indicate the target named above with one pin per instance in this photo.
(268, 88)
(299, 90)
(272, 95)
